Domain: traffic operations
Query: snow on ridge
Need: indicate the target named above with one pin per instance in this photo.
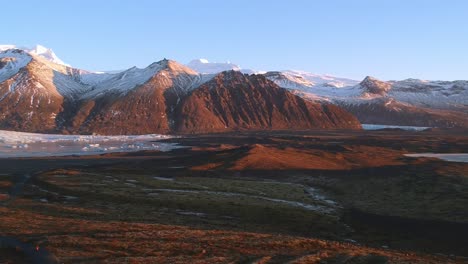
(315, 87)
(437, 94)
(11, 61)
(322, 79)
(123, 81)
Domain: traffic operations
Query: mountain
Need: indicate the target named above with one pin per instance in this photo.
(39, 95)
(33, 91)
(409, 102)
(136, 101)
(236, 101)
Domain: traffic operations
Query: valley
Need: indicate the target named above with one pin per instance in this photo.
(296, 197)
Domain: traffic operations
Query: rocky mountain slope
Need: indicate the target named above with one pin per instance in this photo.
(32, 92)
(235, 101)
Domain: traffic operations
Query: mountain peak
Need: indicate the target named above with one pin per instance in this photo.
(375, 86)
(37, 50)
(47, 54)
(174, 66)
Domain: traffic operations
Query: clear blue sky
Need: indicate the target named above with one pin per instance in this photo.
(388, 39)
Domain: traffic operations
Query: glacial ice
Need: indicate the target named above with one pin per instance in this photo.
(19, 144)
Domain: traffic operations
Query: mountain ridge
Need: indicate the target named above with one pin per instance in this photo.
(42, 96)
(72, 100)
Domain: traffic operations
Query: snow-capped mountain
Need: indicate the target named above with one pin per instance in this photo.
(408, 102)
(37, 94)
(46, 53)
(37, 50)
(292, 79)
(420, 93)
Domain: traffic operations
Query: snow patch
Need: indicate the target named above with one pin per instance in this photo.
(11, 62)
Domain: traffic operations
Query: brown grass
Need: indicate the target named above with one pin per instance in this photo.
(73, 240)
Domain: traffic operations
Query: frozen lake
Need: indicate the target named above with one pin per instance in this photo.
(19, 144)
(376, 127)
(456, 157)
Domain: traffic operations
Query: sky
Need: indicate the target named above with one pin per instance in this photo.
(387, 39)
